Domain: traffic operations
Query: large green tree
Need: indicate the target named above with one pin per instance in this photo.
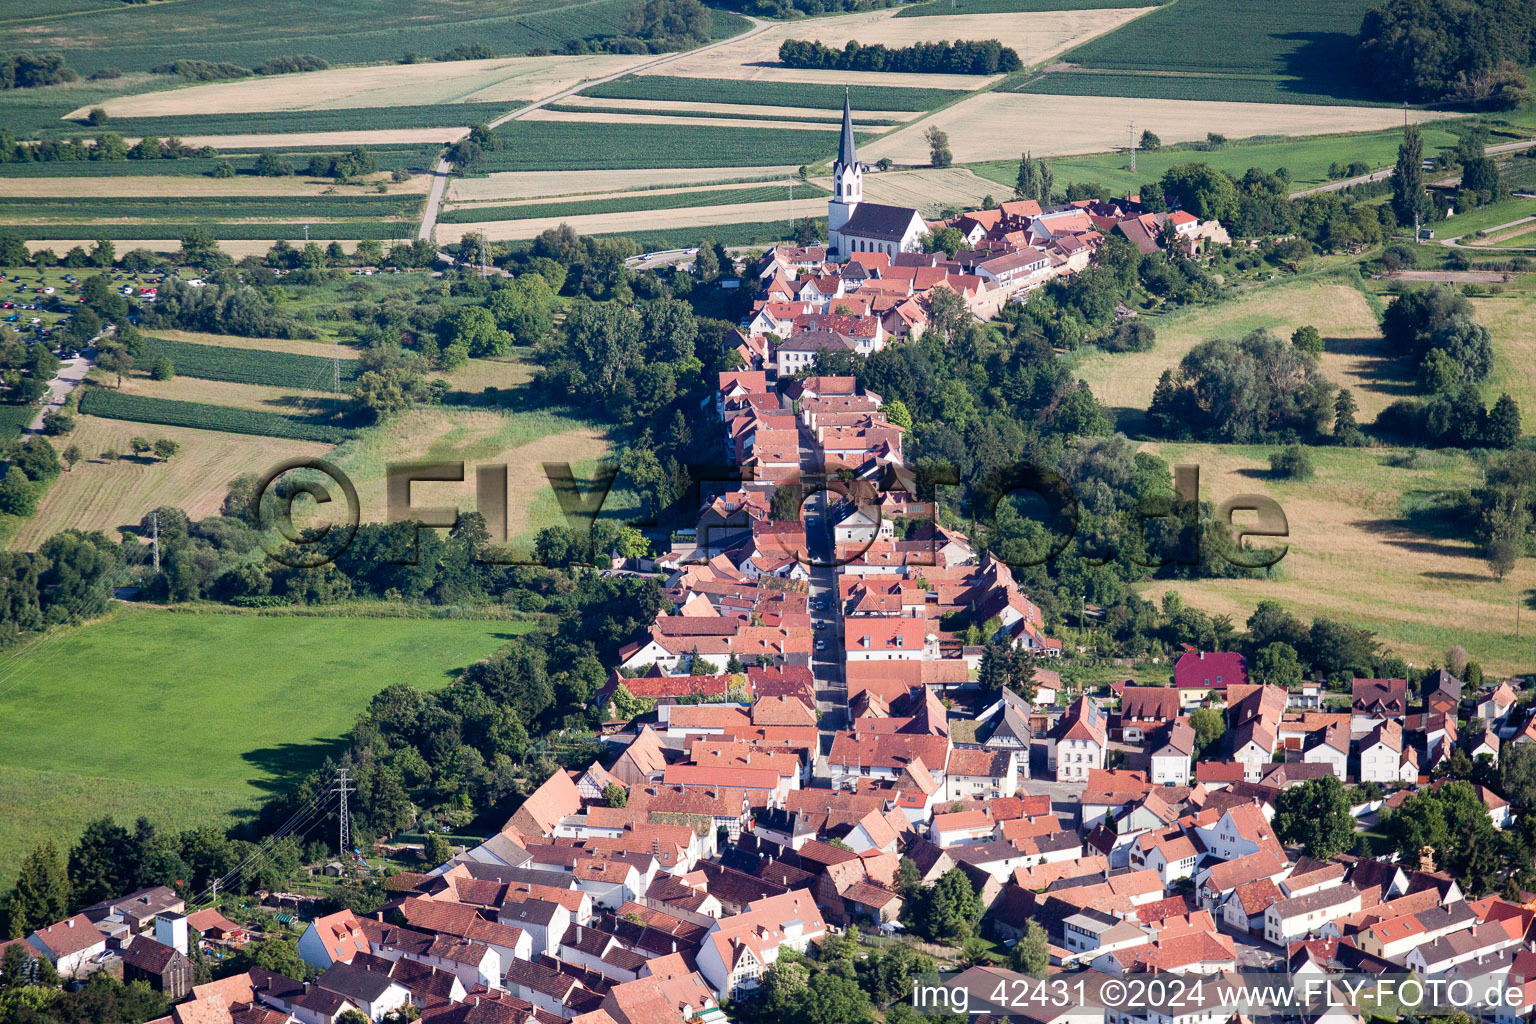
(1316, 815)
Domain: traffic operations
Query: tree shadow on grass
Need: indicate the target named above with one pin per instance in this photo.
(1385, 371)
(286, 763)
(1400, 534)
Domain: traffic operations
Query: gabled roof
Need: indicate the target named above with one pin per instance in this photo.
(71, 935)
(880, 222)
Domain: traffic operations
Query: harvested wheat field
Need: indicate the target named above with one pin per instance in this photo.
(927, 190)
(641, 220)
(1352, 355)
(520, 441)
(395, 85)
(547, 184)
(1354, 554)
(104, 495)
(1036, 36)
(1000, 126)
(135, 187)
(299, 404)
(640, 117)
(860, 117)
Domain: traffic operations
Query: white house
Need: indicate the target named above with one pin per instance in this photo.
(1289, 920)
(543, 920)
(739, 949)
(70, 944)
(1385, 758)
(1076, 745)
(1170, 750)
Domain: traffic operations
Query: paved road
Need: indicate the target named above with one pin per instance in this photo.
(1386, 172)
(70, 374)
(826, 665)
(435, 198)
(1455, 243)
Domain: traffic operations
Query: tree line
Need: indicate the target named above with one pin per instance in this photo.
(962, 57)
(1468, 53)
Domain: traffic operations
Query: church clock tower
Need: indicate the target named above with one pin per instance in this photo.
(847, 180)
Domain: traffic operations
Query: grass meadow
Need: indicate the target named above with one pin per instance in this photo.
(1307, 159)
(938, 8)
(1352, 355)
(158, 713)
(1243, 89)
(1366, 547)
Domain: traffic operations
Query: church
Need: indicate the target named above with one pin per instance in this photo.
(856, 226)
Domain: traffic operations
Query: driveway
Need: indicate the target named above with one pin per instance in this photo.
(70, 374)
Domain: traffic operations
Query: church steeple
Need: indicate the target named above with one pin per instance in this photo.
(845, 151)
(847, 177)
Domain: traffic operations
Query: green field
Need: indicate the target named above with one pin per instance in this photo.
(1311, 40)
(1484, 218)
(941, 7)
(13, 420)
(1307, 159)
(622, 204)
(341, 119)
(134, 37)
(246, 365)
(1189, 87)
(197, 208)
(159, 713)
(760, 233)
(583, 146)
(319, 231)
(168, 412)
(412, 158)
(773, 94)
(862, 122)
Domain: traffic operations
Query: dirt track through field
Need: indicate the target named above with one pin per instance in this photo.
(1000, 126)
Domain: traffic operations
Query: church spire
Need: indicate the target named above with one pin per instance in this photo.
(845, 152)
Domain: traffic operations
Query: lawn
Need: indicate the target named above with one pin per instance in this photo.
(1365, 548)
(158, 713)
(1307, 159)
(1484, 218)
